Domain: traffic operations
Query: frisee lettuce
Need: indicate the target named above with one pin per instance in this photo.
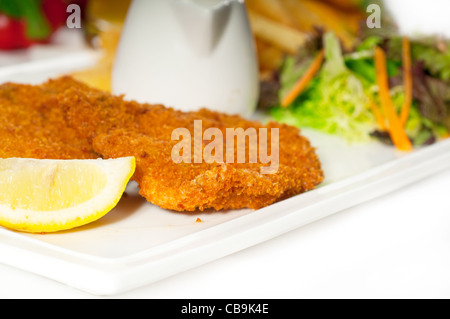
(335, 102)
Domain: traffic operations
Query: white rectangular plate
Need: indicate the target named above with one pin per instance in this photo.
(138, 243)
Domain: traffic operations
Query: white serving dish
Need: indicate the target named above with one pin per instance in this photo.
(138, 243)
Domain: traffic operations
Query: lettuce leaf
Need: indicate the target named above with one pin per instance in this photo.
(335, 102)
(433, 53)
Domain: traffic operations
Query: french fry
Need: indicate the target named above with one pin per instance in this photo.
(288, 39)
(274, 10)
(312, 14)
(304, 17)
(99, 76)
(281, 27)
(352, 20)
(270, 57)
(331, 19)
(350, 5)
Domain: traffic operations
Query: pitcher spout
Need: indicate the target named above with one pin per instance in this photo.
(203, 22)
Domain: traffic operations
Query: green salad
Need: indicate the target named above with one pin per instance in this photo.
(344, 95)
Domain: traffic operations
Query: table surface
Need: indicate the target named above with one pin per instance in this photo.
(396, 246)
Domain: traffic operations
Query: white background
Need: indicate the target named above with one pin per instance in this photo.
(397, 246)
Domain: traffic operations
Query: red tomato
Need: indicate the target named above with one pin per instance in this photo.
(12, 34)
(13, 31)
(55, 11)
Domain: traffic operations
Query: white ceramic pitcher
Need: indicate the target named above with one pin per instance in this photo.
(188, 54)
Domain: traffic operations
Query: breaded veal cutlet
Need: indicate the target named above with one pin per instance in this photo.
(32, 124)
(66, 119)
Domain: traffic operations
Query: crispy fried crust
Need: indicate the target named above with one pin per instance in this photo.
(80, 122)
(191, 186)
(32, 124)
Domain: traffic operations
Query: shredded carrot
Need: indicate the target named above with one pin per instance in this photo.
(304, 80)
(378, 116)
(396, 129)
(407, 79)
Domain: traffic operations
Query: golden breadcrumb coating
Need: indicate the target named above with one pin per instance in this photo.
(32, 125)
(70, 120)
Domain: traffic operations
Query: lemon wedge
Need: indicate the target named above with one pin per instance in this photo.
(42, 196)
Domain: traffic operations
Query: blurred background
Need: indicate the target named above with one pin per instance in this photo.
(280, 27)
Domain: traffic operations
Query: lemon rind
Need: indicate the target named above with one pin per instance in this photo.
(121, 169)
